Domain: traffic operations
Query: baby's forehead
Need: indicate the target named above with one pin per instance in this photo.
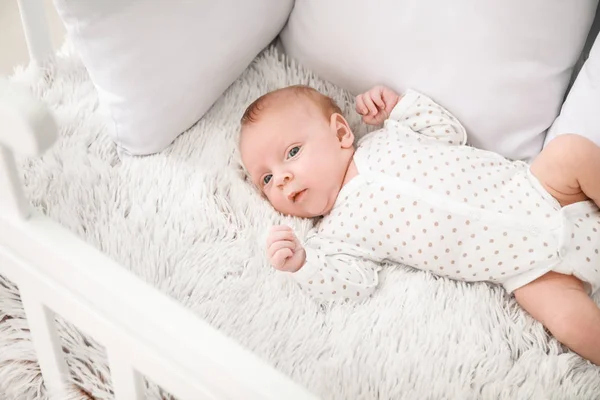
(271, 115)
(287, 105)
(296, 106)
(272, 120)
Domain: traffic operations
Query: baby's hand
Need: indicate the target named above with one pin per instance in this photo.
(284, 249)
(376, 105)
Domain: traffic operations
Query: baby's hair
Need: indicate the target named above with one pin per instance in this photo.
(325, 103)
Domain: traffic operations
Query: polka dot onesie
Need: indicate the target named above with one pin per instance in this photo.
(424, 199)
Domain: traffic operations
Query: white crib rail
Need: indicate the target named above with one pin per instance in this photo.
(143, 330)
(35, 27)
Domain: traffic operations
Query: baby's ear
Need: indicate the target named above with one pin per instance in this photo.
(342, 130)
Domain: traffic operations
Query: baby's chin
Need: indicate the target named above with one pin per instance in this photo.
(310, 210)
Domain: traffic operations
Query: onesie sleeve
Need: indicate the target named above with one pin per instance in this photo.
(331, 274)
(423, 116)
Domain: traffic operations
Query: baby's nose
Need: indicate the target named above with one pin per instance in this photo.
(284, 178)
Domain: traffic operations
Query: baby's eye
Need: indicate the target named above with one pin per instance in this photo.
(294, 150)
(267, 179)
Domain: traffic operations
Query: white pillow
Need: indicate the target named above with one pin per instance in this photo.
(159, 65)
(502, 67)
(581, 110)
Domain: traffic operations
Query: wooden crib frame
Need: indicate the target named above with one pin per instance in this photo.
(145, 333)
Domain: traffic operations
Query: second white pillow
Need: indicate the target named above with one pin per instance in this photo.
(502, 67)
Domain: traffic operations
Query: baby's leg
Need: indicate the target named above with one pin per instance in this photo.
(569, 169)
(561, 304)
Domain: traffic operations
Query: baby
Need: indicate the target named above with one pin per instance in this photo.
(415, 194)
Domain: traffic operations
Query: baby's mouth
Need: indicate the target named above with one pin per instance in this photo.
(297, 196)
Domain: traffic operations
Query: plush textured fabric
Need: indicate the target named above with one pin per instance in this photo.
(187, 223)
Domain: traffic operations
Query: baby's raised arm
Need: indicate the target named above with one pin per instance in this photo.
(414, 111)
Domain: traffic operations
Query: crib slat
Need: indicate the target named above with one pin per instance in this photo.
(35, 27)
(127, 383)
(47, 344)
(12, 200)
(26, 128)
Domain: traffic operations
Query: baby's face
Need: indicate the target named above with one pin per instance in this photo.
(296, 157)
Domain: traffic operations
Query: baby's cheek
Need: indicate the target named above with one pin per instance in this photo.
(322, 169)
(284, 207)
(275, 202)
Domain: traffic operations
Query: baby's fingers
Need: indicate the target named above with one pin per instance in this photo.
(377, 97)
(276, 236)
(283, 244)
(280, 257)
(369, 103)
(360, 106)
(279, 228)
